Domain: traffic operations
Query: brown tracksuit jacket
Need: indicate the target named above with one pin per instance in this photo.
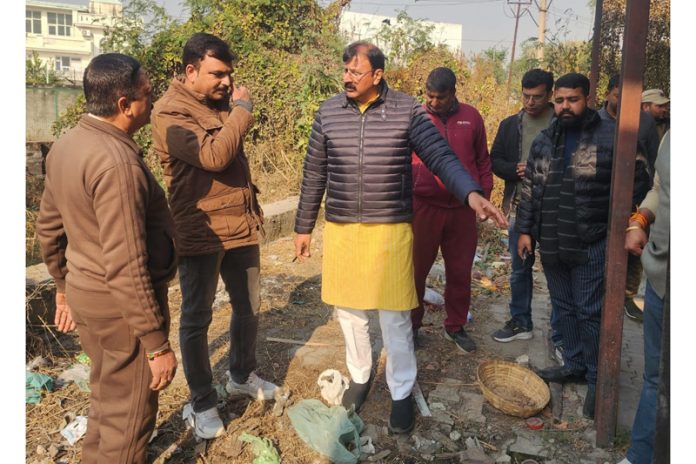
(105, 230)
(200, 145)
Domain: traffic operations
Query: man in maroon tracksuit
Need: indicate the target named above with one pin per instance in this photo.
(439, 219)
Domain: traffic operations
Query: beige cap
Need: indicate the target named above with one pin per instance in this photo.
(656, 96)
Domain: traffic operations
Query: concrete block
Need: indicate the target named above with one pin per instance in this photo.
(471, 407)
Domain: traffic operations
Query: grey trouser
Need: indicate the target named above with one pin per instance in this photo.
(198, 275)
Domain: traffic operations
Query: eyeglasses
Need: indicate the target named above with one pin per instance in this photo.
(534, 98)
(356, 76)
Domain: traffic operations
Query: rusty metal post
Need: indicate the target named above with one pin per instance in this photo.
(594, 67)
(625, 142)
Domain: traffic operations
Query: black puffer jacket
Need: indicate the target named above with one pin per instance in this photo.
(363, 161)
(593, 160)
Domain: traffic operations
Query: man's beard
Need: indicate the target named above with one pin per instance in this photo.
(573, 121)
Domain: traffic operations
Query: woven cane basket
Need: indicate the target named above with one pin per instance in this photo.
(511, 388)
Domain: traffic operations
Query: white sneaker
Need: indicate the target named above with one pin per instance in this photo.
(625, 461)
(205, 424)
(255, 387)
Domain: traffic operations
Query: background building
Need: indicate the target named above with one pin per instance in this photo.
(66, 36)
(365, 26)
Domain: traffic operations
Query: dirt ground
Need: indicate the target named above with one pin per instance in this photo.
(292, 310)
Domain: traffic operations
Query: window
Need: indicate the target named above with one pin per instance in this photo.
(59, 24)
(33, 22)
(62, 63)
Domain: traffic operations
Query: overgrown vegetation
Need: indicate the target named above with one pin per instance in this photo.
(289, 58)
(40, 72)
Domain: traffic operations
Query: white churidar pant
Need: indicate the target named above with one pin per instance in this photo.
(398, 342)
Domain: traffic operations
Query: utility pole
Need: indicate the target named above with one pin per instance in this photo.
(543, 9)
(594, 67)
(514, 39)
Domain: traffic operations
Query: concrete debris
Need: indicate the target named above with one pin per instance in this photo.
(443, 417)
(424, 445)
(471, 408)
(437, 407)
(444, 440)
(454, 435)
(530, 447)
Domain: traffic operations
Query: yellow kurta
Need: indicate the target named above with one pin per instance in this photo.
(368, 266)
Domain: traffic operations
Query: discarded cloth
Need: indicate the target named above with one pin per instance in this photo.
(263, 449)
(34, 384)
(332, 385)
(328, 430)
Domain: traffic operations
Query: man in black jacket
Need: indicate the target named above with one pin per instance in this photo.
(565, 207)
(509, 157)
(360, 153)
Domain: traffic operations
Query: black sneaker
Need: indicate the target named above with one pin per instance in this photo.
(402, 418)
(632, 310)
(511, 332)
(588, 407)
(462, 340)
(356, 394)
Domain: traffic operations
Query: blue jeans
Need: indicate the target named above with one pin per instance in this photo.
(643, 433)
(522, 287)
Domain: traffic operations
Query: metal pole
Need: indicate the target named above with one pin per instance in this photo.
(514, 44)
(594, 68)
(625, 142)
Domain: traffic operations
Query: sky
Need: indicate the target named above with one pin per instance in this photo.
(485, 23)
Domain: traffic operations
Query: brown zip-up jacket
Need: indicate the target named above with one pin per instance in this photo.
(105, 230)
(200, 146)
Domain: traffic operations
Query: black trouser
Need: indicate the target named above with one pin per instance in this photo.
(198, 275)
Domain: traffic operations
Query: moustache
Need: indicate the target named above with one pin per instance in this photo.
(349, 87)
(568, 112)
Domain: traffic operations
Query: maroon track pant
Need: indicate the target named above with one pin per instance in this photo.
(454, 231)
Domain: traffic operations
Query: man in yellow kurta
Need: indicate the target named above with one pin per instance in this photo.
(360, 153)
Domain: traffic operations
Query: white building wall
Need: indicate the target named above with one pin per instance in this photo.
(365, 26)
(69, 54)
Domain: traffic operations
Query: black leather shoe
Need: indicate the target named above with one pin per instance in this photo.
(356, 394)
(402, 418)
(561, 374)
(588, 407)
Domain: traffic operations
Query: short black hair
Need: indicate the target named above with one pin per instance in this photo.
(573, 81)
(373, 53)
(107, 78)
(613, 82)
(201, 45)
(536, 77)
(441, 80)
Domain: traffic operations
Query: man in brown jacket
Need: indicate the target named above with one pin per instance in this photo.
(198, 129)
(105, 234)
